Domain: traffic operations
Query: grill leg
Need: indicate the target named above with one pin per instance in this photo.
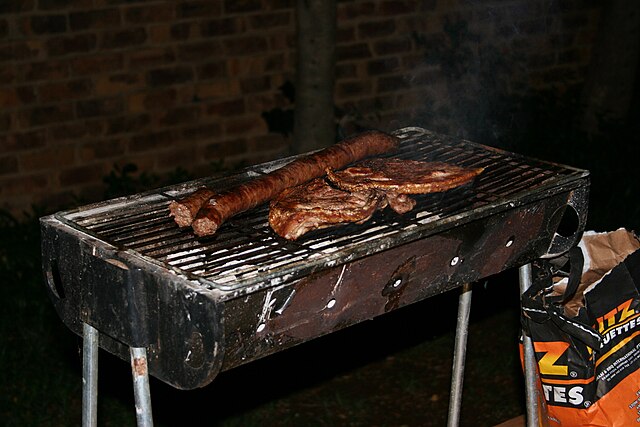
(462, 328)
(530, 368)
(141, 386)
(89, 376)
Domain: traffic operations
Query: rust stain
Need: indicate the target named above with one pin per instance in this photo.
(139, 366)
(396, 285)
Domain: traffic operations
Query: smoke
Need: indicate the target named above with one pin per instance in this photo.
(495, 62)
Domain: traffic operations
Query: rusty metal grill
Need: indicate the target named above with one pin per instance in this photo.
(247, 254)
(121, 273)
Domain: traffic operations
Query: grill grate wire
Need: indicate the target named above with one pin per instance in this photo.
(245, 248)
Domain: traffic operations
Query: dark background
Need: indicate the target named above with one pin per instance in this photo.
(389, 371)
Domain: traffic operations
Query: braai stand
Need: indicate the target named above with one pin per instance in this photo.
(457, 375)
(122, 275)
(142, 395)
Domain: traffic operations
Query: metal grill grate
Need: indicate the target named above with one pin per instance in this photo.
(245, 252)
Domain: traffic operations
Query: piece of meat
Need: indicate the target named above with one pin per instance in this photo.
(401, 203)
(223, 205)
(184, 210)
(361, 190)
(402, 176)
(317, 205)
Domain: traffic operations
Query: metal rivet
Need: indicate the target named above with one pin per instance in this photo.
(331, 303)
(455, 260)
(261, 327)
(510, 241)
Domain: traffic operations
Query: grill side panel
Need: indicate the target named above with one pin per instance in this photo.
(134, 304)
(275, 319)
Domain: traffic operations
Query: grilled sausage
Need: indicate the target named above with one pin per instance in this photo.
(185, 210)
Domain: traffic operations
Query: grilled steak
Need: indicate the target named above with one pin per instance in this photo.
(402, 176)
(214, 210)
(316, 205)
(362, 188)
(401, 203)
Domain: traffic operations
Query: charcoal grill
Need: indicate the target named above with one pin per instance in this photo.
(121, 274)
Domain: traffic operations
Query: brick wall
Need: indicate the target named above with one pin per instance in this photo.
(89, 84)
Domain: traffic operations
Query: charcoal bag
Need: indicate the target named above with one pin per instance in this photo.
(583, 316)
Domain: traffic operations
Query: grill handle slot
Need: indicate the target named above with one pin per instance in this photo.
(568, 222)
(54, 280)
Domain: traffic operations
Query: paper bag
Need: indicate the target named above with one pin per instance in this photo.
(585, 328)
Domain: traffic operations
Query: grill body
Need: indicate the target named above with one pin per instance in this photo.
(200, 306)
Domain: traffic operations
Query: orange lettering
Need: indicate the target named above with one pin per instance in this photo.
(625, 310)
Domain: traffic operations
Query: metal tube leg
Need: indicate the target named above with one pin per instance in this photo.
(141, 386)
(89, 376)
(455, 402)
(530, 368)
